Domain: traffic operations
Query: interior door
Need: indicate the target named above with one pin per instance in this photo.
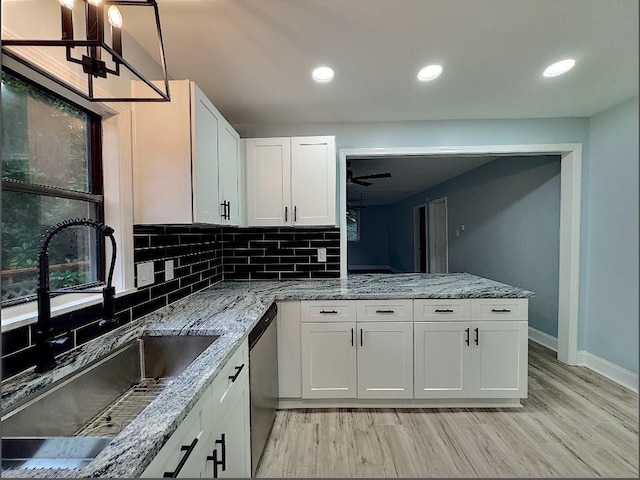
(438, 237)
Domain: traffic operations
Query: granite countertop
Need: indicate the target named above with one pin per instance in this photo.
(229, 310)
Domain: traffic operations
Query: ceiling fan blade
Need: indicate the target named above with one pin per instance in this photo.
(375, 175)
(359, 182)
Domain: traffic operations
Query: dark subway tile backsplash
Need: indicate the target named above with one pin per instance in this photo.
(279, 253)
(202, 257)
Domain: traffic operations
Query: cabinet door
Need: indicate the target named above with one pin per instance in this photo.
(230, 172)
(499, 359)
(313, 180)
(328, 360)
(231, 439)
(205, 121)
(269, 182)
(385, 359)
(442, 360)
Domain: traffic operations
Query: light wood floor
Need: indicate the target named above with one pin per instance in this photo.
(575, 423)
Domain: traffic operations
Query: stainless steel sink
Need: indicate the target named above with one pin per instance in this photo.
(51, 452)
(98, 401)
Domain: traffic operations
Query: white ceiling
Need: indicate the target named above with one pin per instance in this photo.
(253, 57)
(409, 175)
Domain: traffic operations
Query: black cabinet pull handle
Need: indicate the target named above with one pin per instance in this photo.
(361, 338)
(223, 463)
(444, 310)
(385, 311)
(352, 337)
(500, 310)
(477, 335)
(184, 448)
(234, 377)
(224, 210)
(332, 312)
(295, 213)
(467, 336)
(229, 210)
(286, 214)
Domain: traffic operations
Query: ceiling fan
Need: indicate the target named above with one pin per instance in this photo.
(359, 180)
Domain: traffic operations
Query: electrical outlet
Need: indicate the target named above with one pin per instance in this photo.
(322, 254)
(145, 274)
(168, 270)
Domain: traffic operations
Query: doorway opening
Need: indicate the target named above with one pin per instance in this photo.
(569, 218)
(420, 239)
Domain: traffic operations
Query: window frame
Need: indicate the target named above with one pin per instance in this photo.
(95, 178)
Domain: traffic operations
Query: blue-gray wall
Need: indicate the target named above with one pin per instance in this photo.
(610, 293)
(373, 246)
(510, 208)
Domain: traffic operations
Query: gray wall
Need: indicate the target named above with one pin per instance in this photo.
(373, 246)
(610, 293)
(511, 212)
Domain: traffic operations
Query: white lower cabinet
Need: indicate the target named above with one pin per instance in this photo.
(329, 360)
(213, 440)
(357, 360)
(499, 359)
(385, 359)
(231, 456)
(471, 359)
(442, 359)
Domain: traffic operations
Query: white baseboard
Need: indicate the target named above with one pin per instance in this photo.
(620, 375)
(543, 339)
(610, 370)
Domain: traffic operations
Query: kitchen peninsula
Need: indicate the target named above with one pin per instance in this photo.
(483, 319)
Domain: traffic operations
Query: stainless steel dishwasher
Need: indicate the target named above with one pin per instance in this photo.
(263, 382)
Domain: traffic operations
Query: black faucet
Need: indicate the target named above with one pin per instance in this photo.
(45, 359)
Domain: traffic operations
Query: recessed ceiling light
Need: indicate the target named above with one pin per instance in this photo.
(558, 68)
(430, 72)
(323, 74)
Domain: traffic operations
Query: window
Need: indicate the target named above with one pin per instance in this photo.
(51, 171)
(353, 225)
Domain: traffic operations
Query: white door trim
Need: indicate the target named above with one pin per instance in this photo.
(416, 235)
(570, 194)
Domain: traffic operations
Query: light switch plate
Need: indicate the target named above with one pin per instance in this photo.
(322, 254)
(145, 274)
(168, 270)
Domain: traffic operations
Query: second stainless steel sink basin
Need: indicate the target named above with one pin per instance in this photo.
(98, 401)
(50, 452)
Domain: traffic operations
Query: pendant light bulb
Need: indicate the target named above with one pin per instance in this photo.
(95, 3)
(67, 3)
(115, 17)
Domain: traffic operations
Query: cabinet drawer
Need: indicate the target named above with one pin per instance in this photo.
(446, 310)
(500, 309)
(384, 310)
(237, 366)
(328, 311)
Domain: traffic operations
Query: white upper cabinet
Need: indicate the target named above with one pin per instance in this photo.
(291, 181)
(313, 180)
(186, 161)
(268, 181)
(230, 169)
